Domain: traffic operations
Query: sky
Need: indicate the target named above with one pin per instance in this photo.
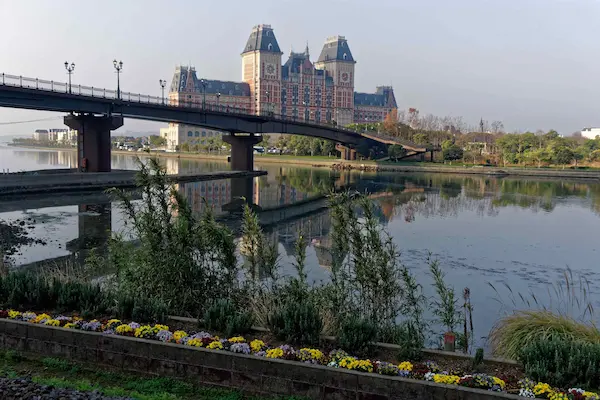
(532, 64)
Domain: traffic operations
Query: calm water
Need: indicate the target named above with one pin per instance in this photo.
(519, 232)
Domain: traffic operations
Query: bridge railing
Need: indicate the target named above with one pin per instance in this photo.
(90, 91)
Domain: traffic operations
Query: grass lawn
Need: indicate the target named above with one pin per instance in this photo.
(65, 374)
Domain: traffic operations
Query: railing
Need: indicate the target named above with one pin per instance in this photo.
(90, 91)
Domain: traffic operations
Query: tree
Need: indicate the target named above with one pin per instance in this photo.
(453, 153)
(497, 126)
(185, 146)
(390, 123)
(327, 147)
(157, 141)
(420, 138)
(396, 151)
(363, 148)
(315, 147)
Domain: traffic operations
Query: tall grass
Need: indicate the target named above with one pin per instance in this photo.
(567, 314)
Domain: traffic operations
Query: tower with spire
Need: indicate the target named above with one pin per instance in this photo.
(261, 70)
(336, 58)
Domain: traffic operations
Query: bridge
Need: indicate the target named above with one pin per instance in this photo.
(95, 112)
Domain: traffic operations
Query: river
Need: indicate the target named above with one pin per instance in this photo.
(521, 233)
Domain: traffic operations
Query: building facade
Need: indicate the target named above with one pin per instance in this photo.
(177, 134)
(590, 133)
(320, 91)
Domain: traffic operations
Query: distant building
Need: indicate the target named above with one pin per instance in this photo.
(177, 134)
(41, 135)
(320, 91)
(590, 133)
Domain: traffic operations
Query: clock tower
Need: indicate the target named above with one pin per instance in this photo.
(261, 69)
(336, 58)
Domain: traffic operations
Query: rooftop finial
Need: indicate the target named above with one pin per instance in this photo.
(306, 51)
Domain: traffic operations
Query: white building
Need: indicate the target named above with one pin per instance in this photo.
(590, 133)
(177, 134)
(41, 135)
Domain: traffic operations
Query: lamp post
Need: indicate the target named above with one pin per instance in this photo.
(268, 101)
(118, 66)
(162, 87)
(306, 116)
(70, 69)
(218, 97)
(203, 83)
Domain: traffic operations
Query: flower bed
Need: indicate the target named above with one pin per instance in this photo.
(428, 371)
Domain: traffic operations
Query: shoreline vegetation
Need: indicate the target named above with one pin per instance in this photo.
(189, 265)
(371, 166)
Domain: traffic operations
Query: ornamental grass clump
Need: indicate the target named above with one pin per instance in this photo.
(357, 336)
(515, 331)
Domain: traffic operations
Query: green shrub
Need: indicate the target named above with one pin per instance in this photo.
(224, 317)
(149, 310)
(297, 322)
(562, 363)
(356, 336)
(478, 359)
(409, 338)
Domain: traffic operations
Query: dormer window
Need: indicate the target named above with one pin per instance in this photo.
(345, 56)
(343, 44)
(270, 46)
(268, 33)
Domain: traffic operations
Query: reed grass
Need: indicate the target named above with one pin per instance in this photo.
(513, 332)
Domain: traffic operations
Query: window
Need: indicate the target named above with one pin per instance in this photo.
(203, 133)
(190, 133)
(197, 134)
(345, 56)
(270, 46)
(210, 134)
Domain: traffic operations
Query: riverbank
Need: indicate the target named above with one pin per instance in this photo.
(373, 166)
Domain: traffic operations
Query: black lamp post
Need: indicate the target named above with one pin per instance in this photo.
(118, 66)
(306, 116)
(218, 97)
(203, 83)
(268, 102)
(162, 87)
(70, 69)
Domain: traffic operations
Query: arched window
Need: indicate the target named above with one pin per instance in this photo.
(190, 133)
(203, 133)
(270, 46)
(197, 134)
(345, 56)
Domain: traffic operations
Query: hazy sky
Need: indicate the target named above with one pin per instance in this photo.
(529, 63)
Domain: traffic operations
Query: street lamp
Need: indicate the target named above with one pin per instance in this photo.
(268, 101)
(203, 83)
(218, 97)
(162, 87)
(118, 66)
(70, 69)
(306, 116)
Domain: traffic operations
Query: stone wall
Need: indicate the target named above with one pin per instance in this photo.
(249, 374)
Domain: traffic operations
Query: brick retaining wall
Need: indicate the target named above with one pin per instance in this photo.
(249, 374)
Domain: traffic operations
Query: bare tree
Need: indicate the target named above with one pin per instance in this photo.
(497, 126)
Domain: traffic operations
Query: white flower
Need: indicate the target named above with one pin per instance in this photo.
(429, 376)
(526, 393)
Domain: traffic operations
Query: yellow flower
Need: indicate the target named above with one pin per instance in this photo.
(70, 325)
(315, 354)
(274, 353)
(345, 362)
(123, 329)
(447, 379)
(194, 342)
(499, 382)
(257, 345)
(542, 388)
(558, 396)
(52, 322)
(144, 331)
(41, 318)
(405, 366)
(113, 323)
(236, 339)
(178, 335)
(216, 345)
(356, 365)
(12, 314)
(159, 327)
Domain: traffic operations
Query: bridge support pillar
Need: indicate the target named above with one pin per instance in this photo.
(93, 140)
(347, 153)
(242, 151)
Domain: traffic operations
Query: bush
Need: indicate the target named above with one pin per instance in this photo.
(224, 317)
(297, 322)
(562, 362)
(357, 336)
(478, 359)
(409, 338)
(141, 309)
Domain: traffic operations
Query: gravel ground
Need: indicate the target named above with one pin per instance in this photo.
(24, 388)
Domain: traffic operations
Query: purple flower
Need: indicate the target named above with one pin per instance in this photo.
(109, 332)
(63, 318)
(134, 325)
(201, 335)
(242, 348)
(164, 336)
(261, 353)
(287, 348)
(91, 326)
